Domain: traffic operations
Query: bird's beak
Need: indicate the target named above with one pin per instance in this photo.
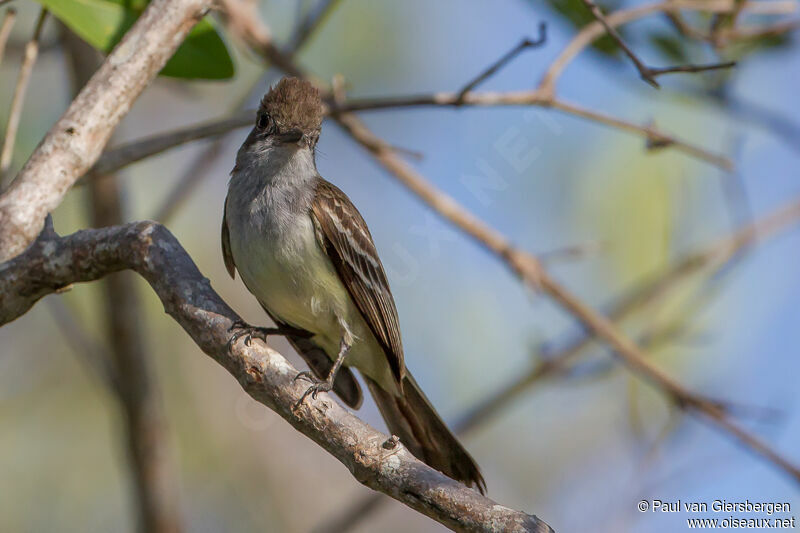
(290, 136)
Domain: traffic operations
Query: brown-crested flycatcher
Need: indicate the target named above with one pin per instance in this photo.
(304, 251)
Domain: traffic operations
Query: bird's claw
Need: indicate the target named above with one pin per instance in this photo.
(241, 329)
(315, 388)
(306, 375)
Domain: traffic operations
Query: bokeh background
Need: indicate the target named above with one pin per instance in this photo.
(579, 451)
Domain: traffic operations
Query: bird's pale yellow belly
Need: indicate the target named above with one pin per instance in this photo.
(293, 278)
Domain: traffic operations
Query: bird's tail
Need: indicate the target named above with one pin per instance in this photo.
(420, 428)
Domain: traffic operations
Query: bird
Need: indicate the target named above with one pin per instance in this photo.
(305, 252)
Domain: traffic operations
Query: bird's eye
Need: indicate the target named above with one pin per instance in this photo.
(264, 121)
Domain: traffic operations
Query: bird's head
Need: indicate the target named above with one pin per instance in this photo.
(290, 115)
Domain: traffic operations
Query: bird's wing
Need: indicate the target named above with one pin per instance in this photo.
(343, 234)
(227, 256)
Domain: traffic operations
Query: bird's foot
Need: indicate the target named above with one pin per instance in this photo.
(240, 329)
(317, 386)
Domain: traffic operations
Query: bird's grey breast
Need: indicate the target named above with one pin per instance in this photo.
(273, 241)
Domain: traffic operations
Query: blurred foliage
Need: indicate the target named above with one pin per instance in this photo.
(578, 15)
(631, 209)
(102, 23)
(670, 45)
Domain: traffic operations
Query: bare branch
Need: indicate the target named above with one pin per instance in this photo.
(655, 138)
(648, 74)
(188, 181)
(121, 156)
(597, 29)
(151, 250)
(5, 30)
(504, 60)
(658, 71)
(76, 140)
(18, 100)
(645, 73)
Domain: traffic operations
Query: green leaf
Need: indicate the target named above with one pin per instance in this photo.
(102, 23)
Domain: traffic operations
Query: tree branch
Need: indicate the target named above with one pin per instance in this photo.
(5, 30)
(126, 154)
(76, 140)
(134, 385)
(153, 252)
(504, 60)
(121, 156)
(18, 100)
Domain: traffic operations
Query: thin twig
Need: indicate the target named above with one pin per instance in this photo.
(504, 60)
(715, 256)
(18, 100)
(658, 71)
(121, 156)
(543, 96)
(597, 29)
(189, 180)
(649, 74)
(5, 30)
(645, 73)
(655, 138)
